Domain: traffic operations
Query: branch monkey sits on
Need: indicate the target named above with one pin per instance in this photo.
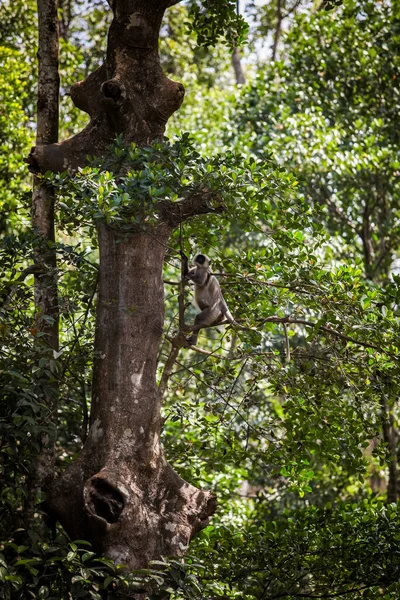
(207, 295)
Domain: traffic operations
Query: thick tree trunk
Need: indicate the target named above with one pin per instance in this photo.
(120, 493)
(46, 298)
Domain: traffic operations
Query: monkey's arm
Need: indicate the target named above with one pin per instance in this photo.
(185, 265)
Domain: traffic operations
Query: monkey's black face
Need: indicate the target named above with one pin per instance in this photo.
(201, 259)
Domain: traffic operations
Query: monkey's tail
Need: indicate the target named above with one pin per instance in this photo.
(229, 317)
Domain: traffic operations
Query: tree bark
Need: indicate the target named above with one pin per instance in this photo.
(121, 494)
(129, 94)
(43, 197)
(391, 437)
(237, 67)
(45, 288)
(278, 29)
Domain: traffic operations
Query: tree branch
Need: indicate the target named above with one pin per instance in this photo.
(335, 210)
(292, 9)
(278, 28)
(366, 240)
(31, 270)
(391, 437)
(325, 328)
(198, 202)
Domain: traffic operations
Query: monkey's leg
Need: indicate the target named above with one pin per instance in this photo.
(206, 317)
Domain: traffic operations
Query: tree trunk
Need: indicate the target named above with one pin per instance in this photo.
(120, 493)
(237, 67)
(236, 62)
(46, 300)
(46, 297)
(391, 437)
(278, 29)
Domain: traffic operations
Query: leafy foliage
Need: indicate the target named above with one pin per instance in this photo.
(215, 18)
(328, 112)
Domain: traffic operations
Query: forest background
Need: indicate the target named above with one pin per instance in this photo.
(291, 420)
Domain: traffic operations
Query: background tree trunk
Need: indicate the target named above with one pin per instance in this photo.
(391, 437)
(46, 297)
(237, 67)
(278, 29)
(46, 300)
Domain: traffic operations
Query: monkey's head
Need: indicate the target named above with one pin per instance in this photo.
(201, 260)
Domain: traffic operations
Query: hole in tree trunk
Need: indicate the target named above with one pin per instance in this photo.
(111, 89)
(104, 500)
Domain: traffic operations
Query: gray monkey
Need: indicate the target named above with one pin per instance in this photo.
(207, 295)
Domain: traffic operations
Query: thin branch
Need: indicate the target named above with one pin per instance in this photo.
(327, 595)
(34, 269)
(81, 330)
(248, 279)
(335, 210)
(242, 368)
(169, 365)
(324, 198)
(181, 298)
(196, 348)
(168, 282)
(214, 389)
(179, 341)
(327, 329)
(176, 344)
(292, 9)
(287, 344)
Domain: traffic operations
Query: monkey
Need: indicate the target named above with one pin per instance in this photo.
(207, 295)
